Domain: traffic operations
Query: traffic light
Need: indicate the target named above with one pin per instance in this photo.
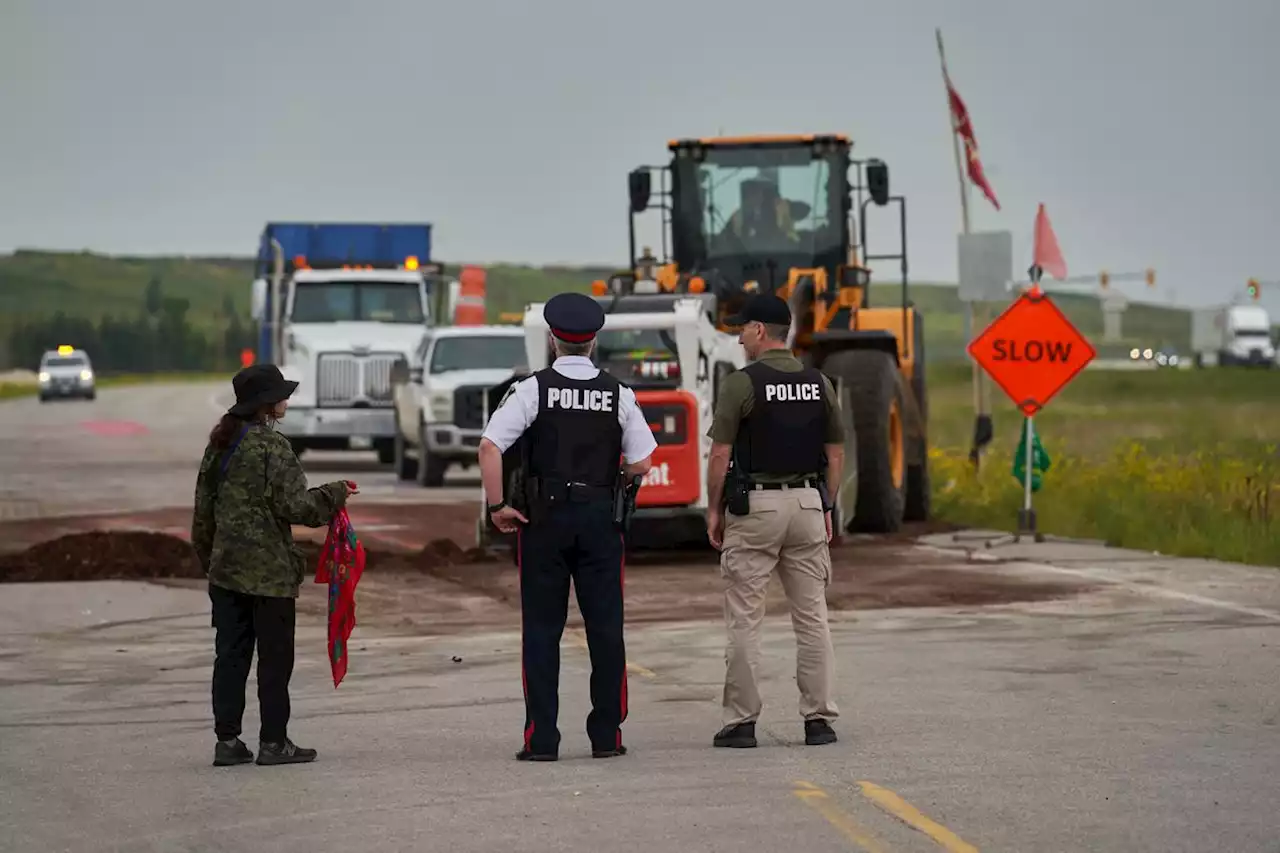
(1151, 277)
(1104, 278)
(1253, 289)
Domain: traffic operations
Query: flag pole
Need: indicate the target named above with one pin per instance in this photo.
(979, 390)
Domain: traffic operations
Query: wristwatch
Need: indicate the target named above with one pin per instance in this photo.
(495, 507)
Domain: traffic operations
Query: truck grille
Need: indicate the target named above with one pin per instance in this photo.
(468, 407)
(346, 379)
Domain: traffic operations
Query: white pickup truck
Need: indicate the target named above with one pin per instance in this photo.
(440, 396)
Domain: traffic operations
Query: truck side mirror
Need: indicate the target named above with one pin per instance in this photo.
(400, 371)
(258, 299)
(878, 181)
(639, 186)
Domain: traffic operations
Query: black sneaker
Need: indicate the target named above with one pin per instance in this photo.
(284, 753)
(229, 752)
(530, 755)
(740, 736)
(818, 732)
(609, 752)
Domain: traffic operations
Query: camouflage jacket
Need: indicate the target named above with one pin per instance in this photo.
(241, 528)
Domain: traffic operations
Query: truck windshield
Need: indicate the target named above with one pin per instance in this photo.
(643, 358)
(63, 361)
(634, 344)
(753, 212)
(357, 301)
(482, 352)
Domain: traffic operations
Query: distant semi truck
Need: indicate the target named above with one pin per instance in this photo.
(1229, 335)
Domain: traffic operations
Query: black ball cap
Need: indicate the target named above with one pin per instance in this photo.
(573, 317)
(762, 308)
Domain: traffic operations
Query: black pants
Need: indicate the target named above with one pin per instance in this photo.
(239, 621)
(577, 541)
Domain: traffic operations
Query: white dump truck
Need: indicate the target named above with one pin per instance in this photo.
(337, 304)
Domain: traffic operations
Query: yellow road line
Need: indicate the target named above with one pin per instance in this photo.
(578, 639)
(818, 800)
(914, 818)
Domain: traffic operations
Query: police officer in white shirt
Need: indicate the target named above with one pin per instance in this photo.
(578, 421)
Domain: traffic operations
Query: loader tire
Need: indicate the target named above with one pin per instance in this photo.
(919, 505)
(845, 506)
(875, 396)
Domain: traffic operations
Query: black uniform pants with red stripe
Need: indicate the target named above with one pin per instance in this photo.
(575, 541)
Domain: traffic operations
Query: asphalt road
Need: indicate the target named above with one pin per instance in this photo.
(1141, 717)
(139, 448)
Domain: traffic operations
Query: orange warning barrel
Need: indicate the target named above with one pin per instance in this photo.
(470, 310)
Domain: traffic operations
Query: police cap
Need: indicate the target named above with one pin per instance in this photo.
(762, 308)
(573, 317)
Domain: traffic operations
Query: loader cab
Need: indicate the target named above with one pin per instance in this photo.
(744, 212)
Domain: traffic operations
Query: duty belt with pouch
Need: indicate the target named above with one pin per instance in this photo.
(545, 494)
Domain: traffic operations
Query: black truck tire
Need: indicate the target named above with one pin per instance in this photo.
(871, 381)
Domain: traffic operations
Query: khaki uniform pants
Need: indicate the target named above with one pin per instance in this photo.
(787, 530)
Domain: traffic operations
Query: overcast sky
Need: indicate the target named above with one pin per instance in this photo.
(1151, 130)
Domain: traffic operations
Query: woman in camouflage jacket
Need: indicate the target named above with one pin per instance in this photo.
(250, 490)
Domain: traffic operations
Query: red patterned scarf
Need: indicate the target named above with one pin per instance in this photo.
(341, 565)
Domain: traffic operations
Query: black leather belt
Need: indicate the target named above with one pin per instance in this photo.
(802, 484)
(576, 492)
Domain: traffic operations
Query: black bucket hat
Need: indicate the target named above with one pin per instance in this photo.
(259, 385)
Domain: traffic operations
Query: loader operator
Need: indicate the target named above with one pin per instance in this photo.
(575, 421)
(777, 421)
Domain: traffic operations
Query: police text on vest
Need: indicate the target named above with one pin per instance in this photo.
(784, 392)
(583, 399)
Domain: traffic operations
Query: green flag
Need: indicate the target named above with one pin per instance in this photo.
(1039, 459)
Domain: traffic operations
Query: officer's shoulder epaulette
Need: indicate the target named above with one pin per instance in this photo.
(511, 389)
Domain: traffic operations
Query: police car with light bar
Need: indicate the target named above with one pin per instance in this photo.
(66, 372)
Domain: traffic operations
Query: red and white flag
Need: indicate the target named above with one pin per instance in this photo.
(963, 125)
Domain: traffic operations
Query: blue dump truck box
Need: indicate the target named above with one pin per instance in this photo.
(334, 244)
(337, 244)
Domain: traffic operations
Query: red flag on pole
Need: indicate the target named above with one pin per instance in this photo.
(963, 125)
(341, 565)
(1048, 255)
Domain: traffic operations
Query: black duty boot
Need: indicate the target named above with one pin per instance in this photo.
(609, 751)
(229, 752)
(530, 755)
(818, 732)
(740, 736)
(284, 753)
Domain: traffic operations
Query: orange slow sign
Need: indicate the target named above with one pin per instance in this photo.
(1032, 351)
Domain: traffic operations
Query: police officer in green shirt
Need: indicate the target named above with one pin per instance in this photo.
(777, 422)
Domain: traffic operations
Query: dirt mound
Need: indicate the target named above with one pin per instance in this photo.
(436, 555)
(138, 554)
(102, 555)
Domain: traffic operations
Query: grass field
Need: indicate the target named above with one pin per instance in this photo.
(37, 284)
(1181, 461)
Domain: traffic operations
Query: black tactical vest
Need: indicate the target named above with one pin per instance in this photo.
(576, 436)
(785, 430)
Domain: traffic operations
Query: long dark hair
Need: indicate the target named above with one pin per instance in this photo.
(226, 429)
(228, 426)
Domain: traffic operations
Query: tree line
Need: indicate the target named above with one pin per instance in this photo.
(160, 337)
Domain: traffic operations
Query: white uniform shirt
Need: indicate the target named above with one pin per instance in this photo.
(517, 411)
